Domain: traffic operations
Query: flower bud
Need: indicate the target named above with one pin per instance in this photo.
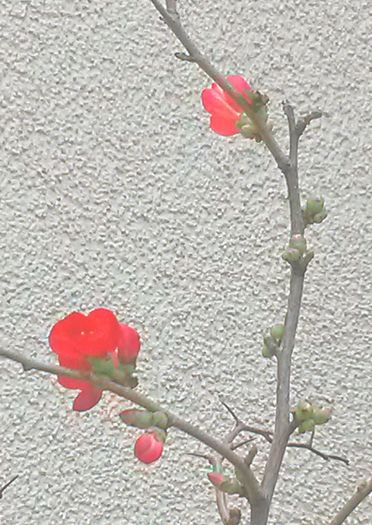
(248, 131)
(137, 418)
(270, 347)
(304, 411)
(291, 255)
(306, 426)
(277, 331)
(298, 242)
(128, 345)
(321, 415)
(216, 478)
(148, 448)
(231, 486)
(160, 420)
(319, 217)
(314, 205)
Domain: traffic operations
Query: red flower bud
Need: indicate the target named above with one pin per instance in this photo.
(148, 447)
(128, 345)
(216, 478)
(225, 112)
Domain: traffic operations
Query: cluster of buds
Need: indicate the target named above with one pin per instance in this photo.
(297, 252)
(314, 211)
(149, 446)
(247, 127)
(308, 415)
(272, 341)
(225, 484)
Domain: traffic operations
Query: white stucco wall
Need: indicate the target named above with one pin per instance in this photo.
(114, 192)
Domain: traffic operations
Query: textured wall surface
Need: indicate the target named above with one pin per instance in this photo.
(114, 192)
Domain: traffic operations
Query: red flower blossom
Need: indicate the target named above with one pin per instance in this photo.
(148, 447)
(76, 338)
(225, 112)
(129, 344)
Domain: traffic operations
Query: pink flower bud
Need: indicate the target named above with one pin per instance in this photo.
(216, 478)
(148, 448)
(129, 344)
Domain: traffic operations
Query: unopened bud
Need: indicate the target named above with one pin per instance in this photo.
(306, 426)
(314, 205)
(277, 331)
(291, 255)
(137, 418)
(231, 486)
(298, 242)
(303, 411)
(216, 478)
(319, 217)
(160, 420)
(321, 415)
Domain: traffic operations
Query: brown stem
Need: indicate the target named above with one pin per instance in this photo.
(364, 489)
(251, 483)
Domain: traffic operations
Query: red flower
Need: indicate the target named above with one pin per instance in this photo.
(76, 338)
(129, 344)
(148, 447)
(225, 112)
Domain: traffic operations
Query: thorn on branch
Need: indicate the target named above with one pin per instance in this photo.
(303, 122)
(251, 455)
(230, 410)
(242, 443)
(184, 57)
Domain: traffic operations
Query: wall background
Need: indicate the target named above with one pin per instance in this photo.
(114, 192)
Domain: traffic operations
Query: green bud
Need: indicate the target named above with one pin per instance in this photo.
(298, 242)
(267, 353)
(321, 415)
(248, 131)
(243, 121)
(160, 434)
(303, 411)
(306, 426)
(231, 486)
(277, 331)
(314, 205)
(291, 255)
(319, 217)
(160, 420)
(137, 418)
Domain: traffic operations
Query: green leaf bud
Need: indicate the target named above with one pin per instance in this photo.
(231, 486)
(321, 415)
(137, 418)
(277, 331)
(306, 426)
(298, 242)
(319, 217)
(303, 411)
(314, 205)
(291, 255)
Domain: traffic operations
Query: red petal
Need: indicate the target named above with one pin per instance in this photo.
(70, 382)
(62, 337)
(223, 126)
(129, 344)
(102, 335)
(216, 103)
(87, 399)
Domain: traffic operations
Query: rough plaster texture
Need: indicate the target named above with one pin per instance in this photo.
(114, 192)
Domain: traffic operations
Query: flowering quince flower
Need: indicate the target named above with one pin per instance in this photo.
(148, 447)
(225, 112)
(76, 338)
(129, 344)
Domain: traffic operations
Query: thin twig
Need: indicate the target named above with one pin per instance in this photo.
(364, 489)
(172, 19)
(251, 483)
(4, 487)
